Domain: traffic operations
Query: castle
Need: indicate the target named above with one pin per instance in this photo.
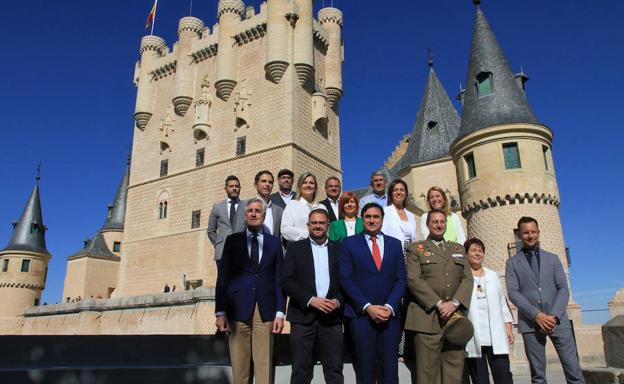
(261, 90)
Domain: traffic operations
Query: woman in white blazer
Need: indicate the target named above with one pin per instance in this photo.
(436, 199)
(492, 321)
(295, 217)
(398, 222)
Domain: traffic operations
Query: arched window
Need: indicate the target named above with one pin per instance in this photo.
(163, 204)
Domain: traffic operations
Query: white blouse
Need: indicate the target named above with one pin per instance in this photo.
(295, 219)
(404, 231)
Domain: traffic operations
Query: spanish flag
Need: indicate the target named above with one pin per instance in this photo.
(152, 15)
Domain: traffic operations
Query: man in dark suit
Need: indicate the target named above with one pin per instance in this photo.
(273, 217)
(285, 194)
(537, 285)
(311, 278)
(372, 275)
(332, 190)
(249, 300)
(226, 217)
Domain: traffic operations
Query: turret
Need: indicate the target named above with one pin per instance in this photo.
(24, 261)
(278, 37)
(229, 13)
(152, 47)
(304, 42)
(503, 156)
(331, 20)
(188, 30)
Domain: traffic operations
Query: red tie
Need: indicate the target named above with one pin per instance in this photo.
(376, 253)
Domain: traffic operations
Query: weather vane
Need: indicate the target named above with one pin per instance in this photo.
(38, 171)
(430, 57)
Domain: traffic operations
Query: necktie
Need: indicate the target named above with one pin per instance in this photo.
(376, 253)
(255, 250)
(232, 212)
(534, 264)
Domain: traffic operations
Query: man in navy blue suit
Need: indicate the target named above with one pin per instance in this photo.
(372, 275)
(249, 299)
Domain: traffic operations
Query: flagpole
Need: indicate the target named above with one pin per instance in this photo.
(154, 18)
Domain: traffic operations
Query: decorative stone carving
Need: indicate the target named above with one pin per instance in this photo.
(166, 130)
(243, 106)
(202, 111)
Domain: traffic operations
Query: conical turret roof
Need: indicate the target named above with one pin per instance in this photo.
(96, 247)
(117, 209)
(436, 126)
(506, 103)
(29, 231)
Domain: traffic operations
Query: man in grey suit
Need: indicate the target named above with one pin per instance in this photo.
(537, 285)
(226, 217)
(263, 182)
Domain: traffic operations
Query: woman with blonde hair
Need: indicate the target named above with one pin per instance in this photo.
(436, 199)
(295, 217)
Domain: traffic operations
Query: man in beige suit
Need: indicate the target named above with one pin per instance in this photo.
(439, 284)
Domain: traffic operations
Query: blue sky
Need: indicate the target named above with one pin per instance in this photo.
(68, 100)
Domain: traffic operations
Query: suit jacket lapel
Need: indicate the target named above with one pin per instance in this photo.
(527, 268)
(308, 258)
(332, 254)
(368, 253)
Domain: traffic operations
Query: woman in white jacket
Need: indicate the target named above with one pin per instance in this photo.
(492, 321)
(398, 222)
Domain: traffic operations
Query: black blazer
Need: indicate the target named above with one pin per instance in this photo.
(330, 210)
(298, 282)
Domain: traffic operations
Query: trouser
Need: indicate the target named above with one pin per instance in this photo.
(437, 362)
(249, 341)
(329, 341)
(374, 342)
(563, 341)
(477, 367)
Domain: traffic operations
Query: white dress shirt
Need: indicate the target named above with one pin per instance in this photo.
(268, 216)
(320, 255)
(287, 198)
(229, 204)
(295, 219)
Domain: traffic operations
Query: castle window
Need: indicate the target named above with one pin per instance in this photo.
(512, 156)
(241, 146)
(34, 228)
(109, 214)
(432, 127)
(117, 246)
(162, 210)
(164, 167)
(546, 153)
(36, 302)
(470, 165)
(195, 219)
(5, 265)
(200, 157)
(484, 84)
(25, 265)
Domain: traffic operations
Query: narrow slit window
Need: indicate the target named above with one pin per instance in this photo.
(545, 152)
(5, 265)
(117, 246)
(164, 167)
(241, 146)
(470, 165)
(195, 219)
(200, 157)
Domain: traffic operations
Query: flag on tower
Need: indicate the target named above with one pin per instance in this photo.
(152, 16)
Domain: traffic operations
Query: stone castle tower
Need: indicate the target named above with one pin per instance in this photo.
(259, 90)
(24, 262)
(93, 271)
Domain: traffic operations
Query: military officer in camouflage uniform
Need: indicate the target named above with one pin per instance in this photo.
(440, 283)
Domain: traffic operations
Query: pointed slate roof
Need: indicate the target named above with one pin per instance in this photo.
(96, 247)
(507, 104)
(436, 126)
(117, 209)
(29, 231)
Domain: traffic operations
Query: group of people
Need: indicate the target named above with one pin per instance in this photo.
(370, 270)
